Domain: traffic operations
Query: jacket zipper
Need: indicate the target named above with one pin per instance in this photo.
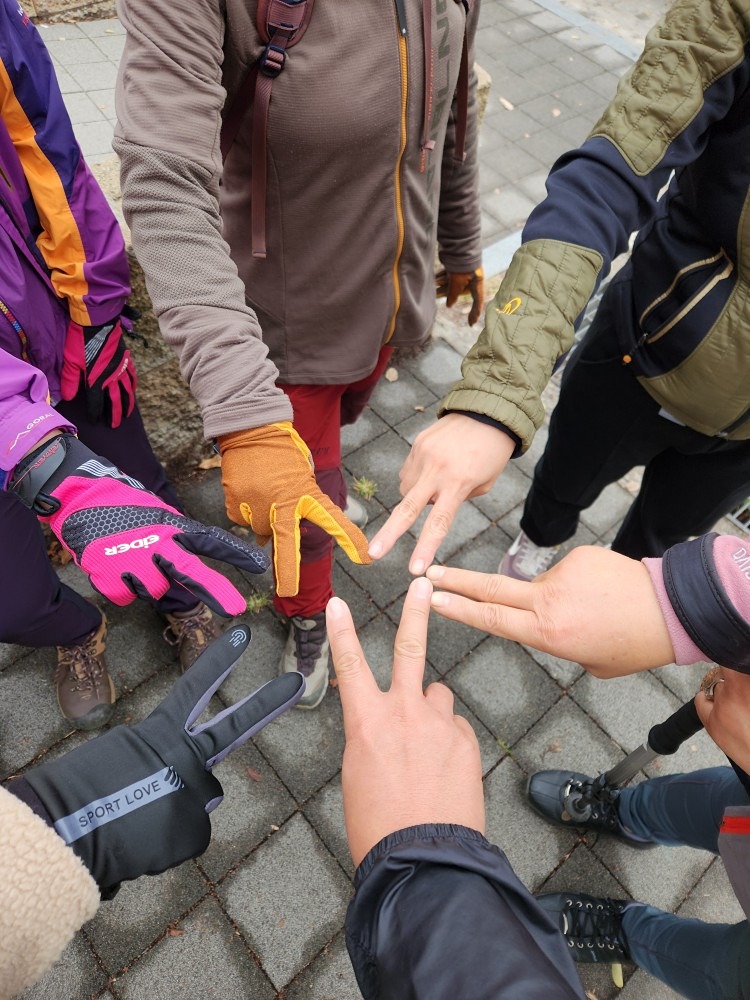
(402, 52)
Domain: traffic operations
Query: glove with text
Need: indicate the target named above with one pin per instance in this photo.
(128, 541)
(268, 480)
(451, 285)
(136, 800)
(96, 357)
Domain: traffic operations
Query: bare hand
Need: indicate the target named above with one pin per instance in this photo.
(408, 758)
(596, 607)
(453, 460)
(726, 715)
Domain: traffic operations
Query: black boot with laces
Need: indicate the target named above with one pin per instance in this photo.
(569, 798)
(591, 925)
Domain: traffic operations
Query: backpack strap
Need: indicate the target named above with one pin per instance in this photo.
(462, 94)
(280, 24)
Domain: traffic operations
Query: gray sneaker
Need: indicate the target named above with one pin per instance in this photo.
(307, 650)
(524, 560)
(356, 512)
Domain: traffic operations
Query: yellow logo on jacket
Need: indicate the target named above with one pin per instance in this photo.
(510, 306)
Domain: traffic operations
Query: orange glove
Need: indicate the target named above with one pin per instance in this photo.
(452, 285)
(267, 474)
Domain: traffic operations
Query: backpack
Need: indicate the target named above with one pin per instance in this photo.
(281, 24)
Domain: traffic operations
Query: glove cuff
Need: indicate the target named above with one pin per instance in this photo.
(38, 470)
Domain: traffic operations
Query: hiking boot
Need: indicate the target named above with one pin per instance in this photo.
(356, 512)
(190, 632)
(568, 798)
(85, 692)
(524, 560)
(592, 925)
(307, 650)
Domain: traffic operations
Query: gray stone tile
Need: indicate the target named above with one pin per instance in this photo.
(380, 460)
(366, 428)
(10, 653)
(110, 46)
(289, 900)
(643, 986)
(255, 803)
(467, 525)
(510, 491)
(82, 109)
(395, 401)
(325, 813)
(565, 672)
(126, 925)
(389, 577)
(94, 75)
(101, 27)
(610, 59)
(75, 974)
(105, 102)
(533, 847)
(305, 748)
(73, 51)
(95, 138)
(361, 605)
(546, 145)
(712, 899)
(329, 977)
(566, 739)
(577, 65)
(503, 686)
(420, 420)
(508, 206)
(201, 957)
(66, 82)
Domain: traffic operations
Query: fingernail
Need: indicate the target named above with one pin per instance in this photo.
(418, 567)
(422, 587)
(439, 600)
(435, 573)
(335, 607)
(375, 550)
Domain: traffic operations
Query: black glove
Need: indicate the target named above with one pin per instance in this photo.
(135, 801)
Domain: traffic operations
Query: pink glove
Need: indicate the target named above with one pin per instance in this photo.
(96, 357)
(128, 541)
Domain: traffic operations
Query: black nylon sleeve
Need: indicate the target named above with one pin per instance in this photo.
(702, 605)
(438, 914)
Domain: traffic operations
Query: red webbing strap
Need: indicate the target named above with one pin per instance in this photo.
(281, 24)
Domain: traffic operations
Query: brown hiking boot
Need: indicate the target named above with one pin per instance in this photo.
(190, 632)
(85, 692)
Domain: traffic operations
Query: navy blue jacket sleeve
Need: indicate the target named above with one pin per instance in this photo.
(438, 914)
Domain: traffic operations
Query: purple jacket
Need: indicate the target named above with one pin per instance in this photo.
(62, 255)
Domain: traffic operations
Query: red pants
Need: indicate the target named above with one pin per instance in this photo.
(320, 411)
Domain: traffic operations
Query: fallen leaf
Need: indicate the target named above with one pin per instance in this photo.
(253, 774)
(555, 746)
(274, 826)
(556, 112)
(391, 375)
(174, 932)
(333, 682)
(281, 922)
(419, 409)
(506, 104)
(212, 462)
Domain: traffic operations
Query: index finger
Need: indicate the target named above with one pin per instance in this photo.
(357, 686)
(410, 647)
(402, 517)
(434, 530)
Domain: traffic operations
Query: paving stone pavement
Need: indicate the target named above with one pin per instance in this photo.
(260, 915)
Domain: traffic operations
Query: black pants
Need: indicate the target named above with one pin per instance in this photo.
(603, 426)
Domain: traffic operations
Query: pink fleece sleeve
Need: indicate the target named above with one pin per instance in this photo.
(732, 558)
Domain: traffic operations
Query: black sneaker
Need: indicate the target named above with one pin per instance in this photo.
(569, 798)
(592, 925)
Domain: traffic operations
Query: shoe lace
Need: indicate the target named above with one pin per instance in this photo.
(81, 665)
(592, 799)
(197, 627)
(309, 636)
(595, 924)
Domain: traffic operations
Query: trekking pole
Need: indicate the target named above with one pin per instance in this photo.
(663, 739)
(579, 801)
